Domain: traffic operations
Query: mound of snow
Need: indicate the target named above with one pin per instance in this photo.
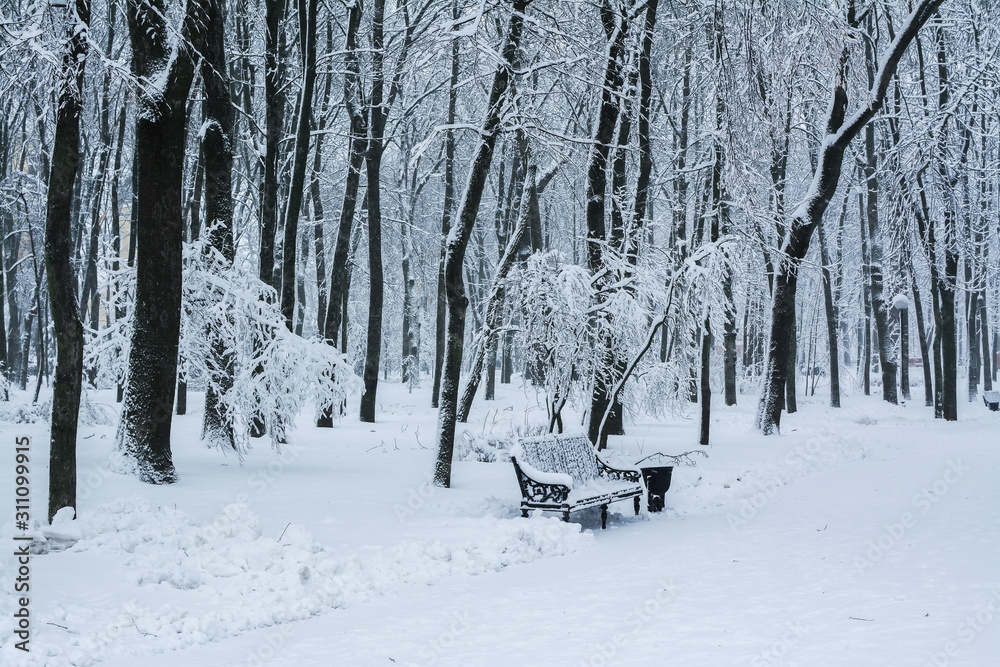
(231, 579)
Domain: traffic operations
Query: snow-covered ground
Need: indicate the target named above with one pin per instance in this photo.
(868, 535)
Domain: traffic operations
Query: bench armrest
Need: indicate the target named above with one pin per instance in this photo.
(617, 474)
(541, 487)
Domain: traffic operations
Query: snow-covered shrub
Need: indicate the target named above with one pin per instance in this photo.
(14, 412)
(482, 448)
(554, 303)
(681, 296)
(275, 372)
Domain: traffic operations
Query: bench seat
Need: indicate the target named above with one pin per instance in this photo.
(564, 473)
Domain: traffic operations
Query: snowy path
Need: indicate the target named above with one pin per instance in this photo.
(842, 542)
(784, 589)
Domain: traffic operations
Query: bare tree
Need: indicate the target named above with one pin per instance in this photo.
(840, 130)
(75, 23)
(458, 240)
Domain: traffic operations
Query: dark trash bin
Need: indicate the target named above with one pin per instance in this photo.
(657, 479)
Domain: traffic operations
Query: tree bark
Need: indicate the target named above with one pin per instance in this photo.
(922, 337)
(615, 29)
(217, 146)
(946, 287)
(335, 326)
(307, 10)
(831, 320)
(319, 218)
(904, 353)
(865, 356)
(58, 261)
(373, 163)
(458, 241)
(705, 393)
(274, 120)
(160, 133)
(441, 304)
(984, 324)
(880, 310)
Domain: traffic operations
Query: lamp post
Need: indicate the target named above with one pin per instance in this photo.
(902, 305)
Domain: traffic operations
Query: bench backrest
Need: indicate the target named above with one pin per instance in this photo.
(570, 454)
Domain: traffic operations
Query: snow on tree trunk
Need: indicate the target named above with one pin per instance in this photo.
(458, 240)
(62, 279)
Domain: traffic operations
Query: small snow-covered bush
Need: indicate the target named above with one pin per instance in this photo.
(226, 308)
(275, 372)
(482, 449)
(14, 412)
(555, 300)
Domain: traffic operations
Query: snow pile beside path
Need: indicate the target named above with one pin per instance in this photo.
(702, 490)
(230, 579)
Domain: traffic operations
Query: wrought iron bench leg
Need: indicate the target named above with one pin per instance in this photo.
(635, 501)
(524, 512)
(566, 513)
(604, 517)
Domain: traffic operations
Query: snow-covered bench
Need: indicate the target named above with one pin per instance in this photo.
(992, 400)
(563, 473)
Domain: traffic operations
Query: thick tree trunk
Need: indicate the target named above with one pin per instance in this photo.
(160, 133)
(58, 261)
(274, 120)
(946, 287)
(458, 241)
(972, 335)
(217, 146)
(791, 405)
